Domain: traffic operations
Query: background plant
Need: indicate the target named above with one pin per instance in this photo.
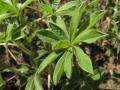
(48, 44)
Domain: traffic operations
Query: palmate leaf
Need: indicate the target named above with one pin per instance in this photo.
(76, 19)
(59, 69)
(83, 60)
(68, 63)
(89, 36)
(48, 60)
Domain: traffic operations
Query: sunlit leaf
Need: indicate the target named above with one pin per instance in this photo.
(76, 19)
(37, 82)
(95, 17)
(48, 60)
(30, 83)
(5, 15)
(26, 3)
(49, 35)
(68, 63)
(83, 60)
(47, 8)
(9, 32)
(7, 6)
(59, 69)
(89, 36)
(61, 45)
(67, 6)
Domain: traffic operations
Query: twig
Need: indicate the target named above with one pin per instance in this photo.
(12, 55)
(11, 78)
(38, 19)
(49, 78)
(9, 44)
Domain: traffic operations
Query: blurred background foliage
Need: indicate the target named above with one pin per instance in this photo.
(26, 41)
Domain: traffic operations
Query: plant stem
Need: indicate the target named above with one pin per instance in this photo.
(7, 53)
(49, 78)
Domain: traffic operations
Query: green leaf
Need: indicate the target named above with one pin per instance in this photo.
(89, 36)
(48, 60)
(67, 6)
(9, 32)
(14, 2)
(2, 37)
(47, 8)
(19, 32)
(61, 45)
(59, 28)
(26, 3)
(56, 3)
(47, 34)
(83, 60)
(98, 74)
(60, 22)
(30, 83)
(2, 82)
(2, 11)
(69, 12)
(57, 31)
(76, 19)
(68, 63)
(24, 48)
(95, 17)
(45, 1)
(7, 1)
(22, 68)
(37, 82)
(5, 15)
(93, 3)
(59, 69)
(7, 6)
(41, 54)
(89, 23)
